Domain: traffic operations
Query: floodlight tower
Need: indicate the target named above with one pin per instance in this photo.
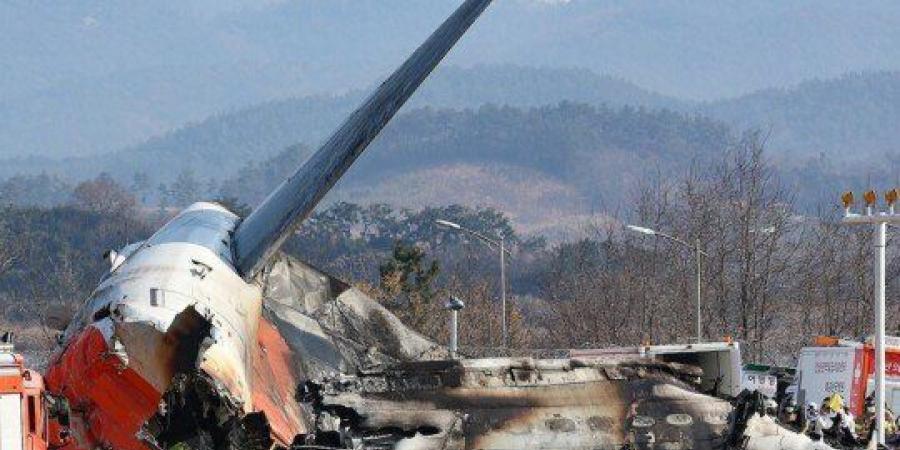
(880, 220)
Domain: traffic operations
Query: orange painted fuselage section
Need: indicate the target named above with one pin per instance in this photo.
(173, 305)
(109, 401)
(275, 383)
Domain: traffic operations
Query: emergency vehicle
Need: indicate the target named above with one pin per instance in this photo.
(847, 367)
(30, 418)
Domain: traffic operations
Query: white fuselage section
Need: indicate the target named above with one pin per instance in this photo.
(186, 264)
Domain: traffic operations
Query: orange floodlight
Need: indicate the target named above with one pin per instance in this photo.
(891, 196)
(847, 198)
(870, 197)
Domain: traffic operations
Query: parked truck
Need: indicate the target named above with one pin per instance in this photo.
(846, 367)
(29, 417)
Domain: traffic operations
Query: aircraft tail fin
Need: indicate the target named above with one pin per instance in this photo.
(261, 234)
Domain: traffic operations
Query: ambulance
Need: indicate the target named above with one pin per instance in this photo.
(847, 368)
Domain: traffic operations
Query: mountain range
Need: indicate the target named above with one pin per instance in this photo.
(88, 77)
(551, 110)
(841, 119)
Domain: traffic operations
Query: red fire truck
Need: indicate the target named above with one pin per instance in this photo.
(25, 422)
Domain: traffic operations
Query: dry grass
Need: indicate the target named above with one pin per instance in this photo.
(536, 204)
(36, 343)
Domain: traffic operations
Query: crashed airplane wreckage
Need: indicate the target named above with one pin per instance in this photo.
(179, 320)
(204, 336)
(514, 403)
(335, 370)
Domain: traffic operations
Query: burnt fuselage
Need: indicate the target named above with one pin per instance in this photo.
(174, 305)
(188, 300)
(519, 403)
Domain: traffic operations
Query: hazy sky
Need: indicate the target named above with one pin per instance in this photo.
(692, 49)
(85, 76)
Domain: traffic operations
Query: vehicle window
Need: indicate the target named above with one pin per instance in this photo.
(32, 415)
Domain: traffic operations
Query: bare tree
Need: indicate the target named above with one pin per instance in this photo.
(760, 264)
(104, 195)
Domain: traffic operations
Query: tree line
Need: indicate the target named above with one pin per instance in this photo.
(772, 278)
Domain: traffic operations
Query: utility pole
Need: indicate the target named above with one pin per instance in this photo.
(503, 289)
(699, 298)
(880, 220)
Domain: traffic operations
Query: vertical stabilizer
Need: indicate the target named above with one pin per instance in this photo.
(263, 231)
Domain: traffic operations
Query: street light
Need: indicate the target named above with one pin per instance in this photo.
(500, 243)
(454, 305)
(697, 254)
(641, 230)
(880, 220)
(448, 224)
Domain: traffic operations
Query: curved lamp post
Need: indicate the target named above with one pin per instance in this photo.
(499, 243)
(697, 254)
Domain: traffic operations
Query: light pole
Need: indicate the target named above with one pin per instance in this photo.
(880, 220)
(695, 247)
(499, 243)
(454, 305)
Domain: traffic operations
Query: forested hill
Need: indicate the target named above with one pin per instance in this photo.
(839, 118)
(257, 132)
(102, 122)
(254, 133)
(83, 77)
(853, 116)
(542, 165)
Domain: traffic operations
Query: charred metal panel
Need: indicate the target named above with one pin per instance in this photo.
(333, 327)
(195, 414)
(506, 404)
